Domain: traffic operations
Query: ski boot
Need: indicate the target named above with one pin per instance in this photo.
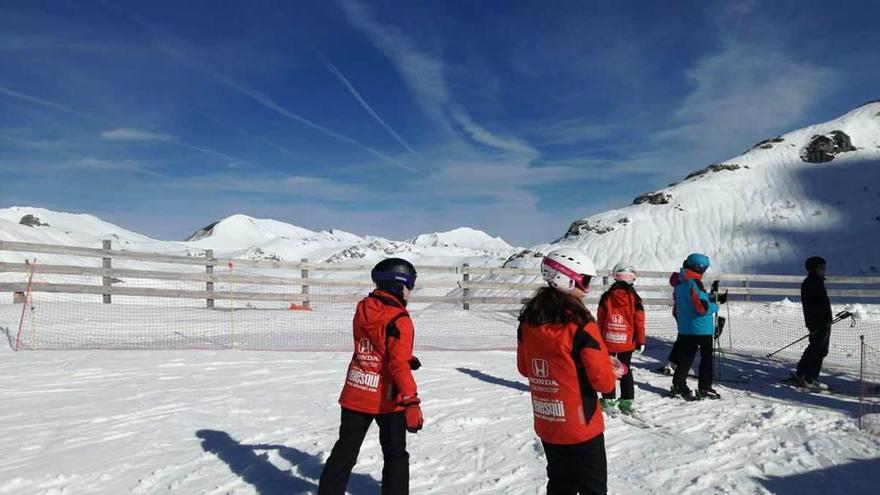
(609, 407)
(708, 393)
(667, 369)
(801, 381)
(682, 393)
(626, 406)
(816, 384)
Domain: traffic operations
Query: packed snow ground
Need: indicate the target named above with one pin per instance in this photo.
(218, 422)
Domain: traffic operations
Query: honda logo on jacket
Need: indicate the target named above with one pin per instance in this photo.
(540, 368)
(364, 346)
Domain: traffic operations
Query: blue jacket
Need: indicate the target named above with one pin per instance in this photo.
(694, 310)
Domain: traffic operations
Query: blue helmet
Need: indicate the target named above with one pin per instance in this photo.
(697, 262)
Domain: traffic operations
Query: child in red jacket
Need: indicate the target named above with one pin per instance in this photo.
(622, 323)
(379, 384)
(559, 349)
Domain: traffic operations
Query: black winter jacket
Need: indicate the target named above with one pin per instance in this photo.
(814, 299)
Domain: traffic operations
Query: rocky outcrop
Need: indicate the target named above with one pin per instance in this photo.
(579, 227)
(768, 143)
(823, 148)
(653, 198)
(203, 232)
(32, 221)
(714, 168)
(525, 253)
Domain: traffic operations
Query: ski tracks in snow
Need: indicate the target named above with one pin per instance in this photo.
(226, 422)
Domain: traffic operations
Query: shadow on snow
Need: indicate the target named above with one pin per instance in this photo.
(251, 463)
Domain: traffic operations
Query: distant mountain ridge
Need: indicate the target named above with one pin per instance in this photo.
(241, 236)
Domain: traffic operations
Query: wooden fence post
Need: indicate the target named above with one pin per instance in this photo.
(209, 271)
(465, 278)
(305, 288)
(107, 265)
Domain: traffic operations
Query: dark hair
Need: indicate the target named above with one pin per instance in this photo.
(551, 306)
(813, 262)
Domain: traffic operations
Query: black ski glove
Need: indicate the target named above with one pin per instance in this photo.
(722, 298)
(414, 363)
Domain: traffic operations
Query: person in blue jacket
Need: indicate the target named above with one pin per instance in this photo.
(695, 310)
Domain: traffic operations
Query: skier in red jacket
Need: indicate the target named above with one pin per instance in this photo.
(622, 323)
(379, 384)
(561, 352)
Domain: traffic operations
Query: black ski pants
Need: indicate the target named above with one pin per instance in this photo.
(676, 349)
(578, 469)
(627, 385)
(687, 351)
(352, 430)
(811, 361)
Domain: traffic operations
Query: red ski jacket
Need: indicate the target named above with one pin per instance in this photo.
(566, 365)
(379, 374)
(621, 318)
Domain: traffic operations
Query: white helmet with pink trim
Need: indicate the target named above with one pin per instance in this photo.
(624, 272)
(567, 269)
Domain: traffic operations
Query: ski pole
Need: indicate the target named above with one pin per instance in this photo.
(838, 318)
(789, 345)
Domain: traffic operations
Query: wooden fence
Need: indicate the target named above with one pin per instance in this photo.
(743, 286)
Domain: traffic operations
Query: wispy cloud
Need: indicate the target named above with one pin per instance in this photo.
(176, 48)
(79, 165)
(42, 144)
(128, 134)
(424, 74)
(746, 91)
(486, 137)
(291, 186)
(44, 102)
(275, 107)
(354, 92)
(571, 131)
(101, 165)
(120, 134)
(739, 95)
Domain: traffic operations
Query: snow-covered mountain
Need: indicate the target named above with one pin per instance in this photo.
(240, 236)
(813, 191)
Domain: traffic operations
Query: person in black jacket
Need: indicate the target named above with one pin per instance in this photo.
(817, 316)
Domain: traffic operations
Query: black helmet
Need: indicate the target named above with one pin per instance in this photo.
(813, 262)
(393, 274)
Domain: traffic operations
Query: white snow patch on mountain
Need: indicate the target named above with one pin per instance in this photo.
(764, 211)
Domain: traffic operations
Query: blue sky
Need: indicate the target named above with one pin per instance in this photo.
(398, 118)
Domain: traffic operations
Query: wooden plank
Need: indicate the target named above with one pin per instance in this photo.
(107, 265)
(255, 296)
(100, 253)
(328, 267)
(202, 277)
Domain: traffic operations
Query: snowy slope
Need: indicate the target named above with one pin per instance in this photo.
(240, 236)
(262, 422)
(764, 211)
(463, 237)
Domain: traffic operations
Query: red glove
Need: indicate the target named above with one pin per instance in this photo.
(412, 413)
(414, 418)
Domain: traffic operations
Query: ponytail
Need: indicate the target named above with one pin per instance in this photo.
(551, 306)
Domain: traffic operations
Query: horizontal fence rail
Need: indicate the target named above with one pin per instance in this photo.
(465, 290)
